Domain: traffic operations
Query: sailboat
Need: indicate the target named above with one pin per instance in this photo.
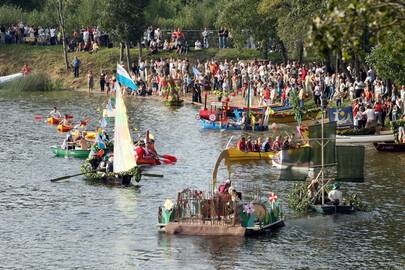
(124, 165)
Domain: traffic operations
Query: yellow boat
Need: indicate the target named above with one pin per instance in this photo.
(236, 155)
(90, 135)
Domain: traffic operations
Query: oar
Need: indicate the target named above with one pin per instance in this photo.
(169, 157)
(67, 177)
(152, 175)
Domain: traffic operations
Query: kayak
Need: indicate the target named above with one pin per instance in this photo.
(8, 78)
(236, 155)
(53, 121)
(63, 128)
(365, 138)
(76, 153)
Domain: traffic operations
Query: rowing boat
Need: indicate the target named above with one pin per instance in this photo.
(218, 125)
(76, 153)
(236, 155)
(365, 138)
(290, 118)
(389, 147)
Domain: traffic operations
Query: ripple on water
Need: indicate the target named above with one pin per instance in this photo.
(78, 225)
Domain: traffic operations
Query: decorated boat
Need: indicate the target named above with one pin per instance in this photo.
(389, 147)
(64, 128)
(290, 117)
(174, 103)
(236, 155)
(53, 120)
(219, 213)
(76, 153)
(124, 167)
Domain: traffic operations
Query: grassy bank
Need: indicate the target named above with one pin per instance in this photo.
(48, 59)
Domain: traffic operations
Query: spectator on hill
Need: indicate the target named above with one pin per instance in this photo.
(76, 66)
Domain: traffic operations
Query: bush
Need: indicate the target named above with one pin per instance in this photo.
(34, 82)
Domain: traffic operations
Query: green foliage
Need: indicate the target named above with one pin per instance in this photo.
(34, 82)
(296, 106)
(355, 201)
(10, 15)
(389, 62)
(298, 199)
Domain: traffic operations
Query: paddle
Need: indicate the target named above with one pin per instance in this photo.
(169, 157)
(73, 175)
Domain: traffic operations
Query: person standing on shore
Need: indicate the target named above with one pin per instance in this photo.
(90, 81)
(76, 66)
(102, 81)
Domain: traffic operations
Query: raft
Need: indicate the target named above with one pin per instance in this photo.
(53, 121)
(63, 128)
(237, 155)
(75, 153)
(389, 147)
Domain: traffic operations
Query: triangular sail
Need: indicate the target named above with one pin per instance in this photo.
(124, 158)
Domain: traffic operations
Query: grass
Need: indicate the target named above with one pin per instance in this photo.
(49, 60)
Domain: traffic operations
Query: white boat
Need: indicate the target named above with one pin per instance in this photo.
(365, 138)
(8, 78)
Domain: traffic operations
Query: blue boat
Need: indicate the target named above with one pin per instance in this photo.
(206, 124)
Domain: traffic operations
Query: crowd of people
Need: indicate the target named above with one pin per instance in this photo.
(23, 33)
(268, 145)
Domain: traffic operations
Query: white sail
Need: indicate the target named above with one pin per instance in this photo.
(124, 158)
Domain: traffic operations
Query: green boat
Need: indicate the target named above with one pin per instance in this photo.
(75, 153)
(332, 209)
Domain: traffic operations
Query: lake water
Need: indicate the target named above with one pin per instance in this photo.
(73, 224)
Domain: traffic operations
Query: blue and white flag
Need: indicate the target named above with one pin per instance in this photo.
(124, 79)
(342, 116)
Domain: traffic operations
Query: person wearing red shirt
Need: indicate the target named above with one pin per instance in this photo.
(241, 145)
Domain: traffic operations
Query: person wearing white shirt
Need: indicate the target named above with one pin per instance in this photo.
(335, 195)
(197, 45)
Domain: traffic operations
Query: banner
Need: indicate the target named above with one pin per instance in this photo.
(342, 116)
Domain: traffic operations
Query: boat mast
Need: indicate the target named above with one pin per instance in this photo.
(322, 159)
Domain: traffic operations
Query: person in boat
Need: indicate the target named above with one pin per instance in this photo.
(150, 148)
(277, 144)
(241, 145)
(55, 113)
(291, 141)
(66, 121)
(313, 189)
(224, 187)
(26, 70)
(83, 142)
(257, 145)
(266, 146)
(249, 145)
(286, 143)
(68, 143)
(105, 137)
(140, 150)
(110, 164)
(335, 195)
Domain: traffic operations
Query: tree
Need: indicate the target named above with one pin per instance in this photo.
(125, 20)
(61, 19)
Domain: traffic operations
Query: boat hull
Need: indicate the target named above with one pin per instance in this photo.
(332, 209)
(290, 118)
(365, 138)
(205, 124)
(174, 103)
(63, 128)
(53, 121)
(390, 147)
(75, 153)
(237, 155)
(9, 78)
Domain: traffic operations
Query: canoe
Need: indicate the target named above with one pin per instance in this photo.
(365, 138)
(390, 147)
(228, 126)
(9, 78)
(237, 155)
(53, 121)
(63, 128)
(327, 209)
(76, 153)
(151, 162)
